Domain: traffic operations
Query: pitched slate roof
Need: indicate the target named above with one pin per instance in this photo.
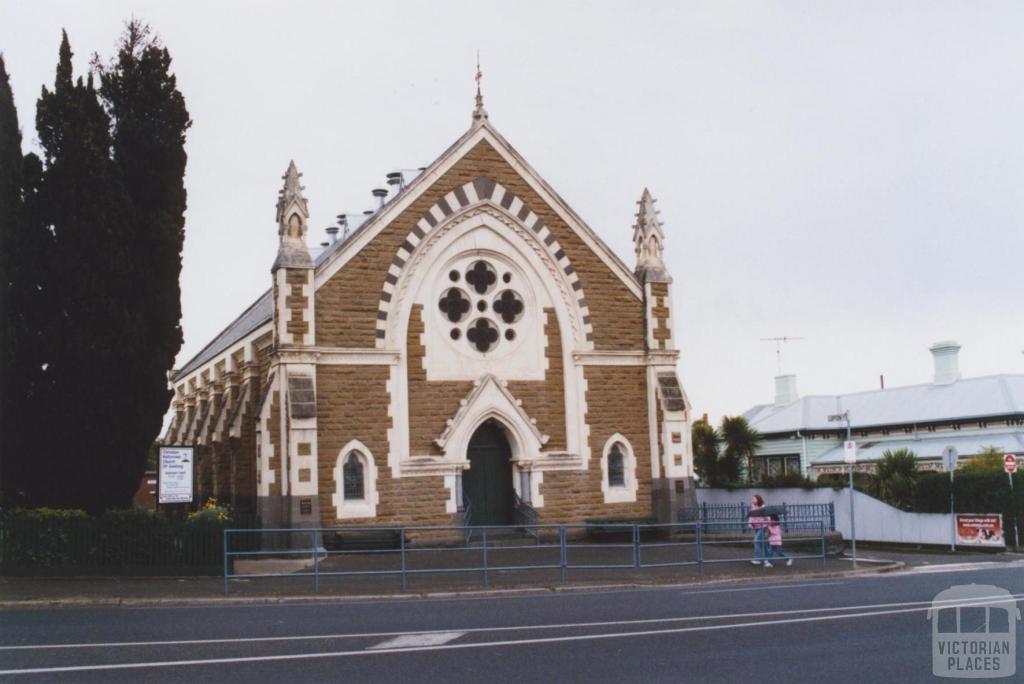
(259, 312)
(993, 395)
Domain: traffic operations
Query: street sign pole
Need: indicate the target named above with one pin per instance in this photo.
(1010, 466)
(853, 519)
(950, 457)
(850, 456)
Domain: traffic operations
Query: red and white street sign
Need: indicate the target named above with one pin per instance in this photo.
(1010, 463)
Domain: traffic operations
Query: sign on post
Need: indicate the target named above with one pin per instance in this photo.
(950, 458)
(1010, 463)
(979, 530)
(850, 452)
(176, 467)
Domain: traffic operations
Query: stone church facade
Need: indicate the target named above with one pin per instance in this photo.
(470, 354)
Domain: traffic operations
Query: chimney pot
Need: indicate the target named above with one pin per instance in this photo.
(946, 355)
(785, 389)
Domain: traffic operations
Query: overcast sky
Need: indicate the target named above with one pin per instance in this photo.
(846, 172)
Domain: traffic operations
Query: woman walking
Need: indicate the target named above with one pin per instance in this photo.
(759, 523)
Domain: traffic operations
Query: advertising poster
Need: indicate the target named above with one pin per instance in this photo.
(979, 530)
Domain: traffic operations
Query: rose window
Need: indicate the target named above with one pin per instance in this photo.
(496, 315)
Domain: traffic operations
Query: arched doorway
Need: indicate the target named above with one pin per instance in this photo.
(487, 485)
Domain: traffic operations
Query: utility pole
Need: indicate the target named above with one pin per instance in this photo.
(850, 456)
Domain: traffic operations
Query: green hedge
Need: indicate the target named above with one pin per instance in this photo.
(972, 493)
(50, 541)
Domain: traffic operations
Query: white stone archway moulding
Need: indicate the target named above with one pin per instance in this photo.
(453, 208)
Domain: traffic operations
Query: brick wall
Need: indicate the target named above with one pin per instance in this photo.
(616, 402)
(545, 400)
(346, 306)
(660, 313)
(430, 403)
(352, 403)
(296, 302)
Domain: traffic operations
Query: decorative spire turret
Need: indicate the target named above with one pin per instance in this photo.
(648, 239)
(479, 113)
(292, 219)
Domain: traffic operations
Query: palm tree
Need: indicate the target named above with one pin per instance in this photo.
(741, 442)
(705, 441)
(896, 475)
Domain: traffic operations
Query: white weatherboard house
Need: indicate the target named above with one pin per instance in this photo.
(968, 414)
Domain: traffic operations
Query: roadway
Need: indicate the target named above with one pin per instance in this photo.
(868, 628)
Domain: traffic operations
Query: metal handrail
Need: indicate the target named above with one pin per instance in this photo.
(638, 546)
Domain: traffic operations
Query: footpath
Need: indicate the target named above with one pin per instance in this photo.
(46, 592)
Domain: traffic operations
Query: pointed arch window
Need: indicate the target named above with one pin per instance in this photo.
(355, 483)
(354, 478)
(618, 470)
(616, 466)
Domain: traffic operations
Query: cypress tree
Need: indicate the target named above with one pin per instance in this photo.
(149, 121)
(25, 244)
(83, 199)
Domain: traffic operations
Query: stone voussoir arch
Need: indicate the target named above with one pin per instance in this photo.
(477, 191)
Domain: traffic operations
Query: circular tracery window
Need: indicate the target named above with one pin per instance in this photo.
(497, 315)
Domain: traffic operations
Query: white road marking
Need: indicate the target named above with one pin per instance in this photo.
(383, 648)
(963, 567)
(419, 639)
(467, 630)
(482, 644)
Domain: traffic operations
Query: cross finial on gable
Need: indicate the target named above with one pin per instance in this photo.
(479, 113)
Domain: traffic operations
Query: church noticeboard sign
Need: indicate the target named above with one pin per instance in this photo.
(176, 474)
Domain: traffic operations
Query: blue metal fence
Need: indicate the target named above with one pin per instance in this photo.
(561, 548)
(736, 514)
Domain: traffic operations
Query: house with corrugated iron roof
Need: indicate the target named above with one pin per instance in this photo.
(968, 414)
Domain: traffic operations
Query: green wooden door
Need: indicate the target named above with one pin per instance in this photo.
(487, 485)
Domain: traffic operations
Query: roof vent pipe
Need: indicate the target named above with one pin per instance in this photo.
(380, 194)
(396, 181)
(332, 233)
(785, 390)
(946, 355)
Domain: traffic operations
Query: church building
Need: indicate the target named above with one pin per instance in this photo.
(472, 353)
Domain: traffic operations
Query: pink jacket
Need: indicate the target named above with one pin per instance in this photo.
(758, 522)
(775, 534)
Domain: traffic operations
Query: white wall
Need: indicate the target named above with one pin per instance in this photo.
(875, 520)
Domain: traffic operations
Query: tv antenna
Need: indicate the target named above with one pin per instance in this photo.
(778, 348)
